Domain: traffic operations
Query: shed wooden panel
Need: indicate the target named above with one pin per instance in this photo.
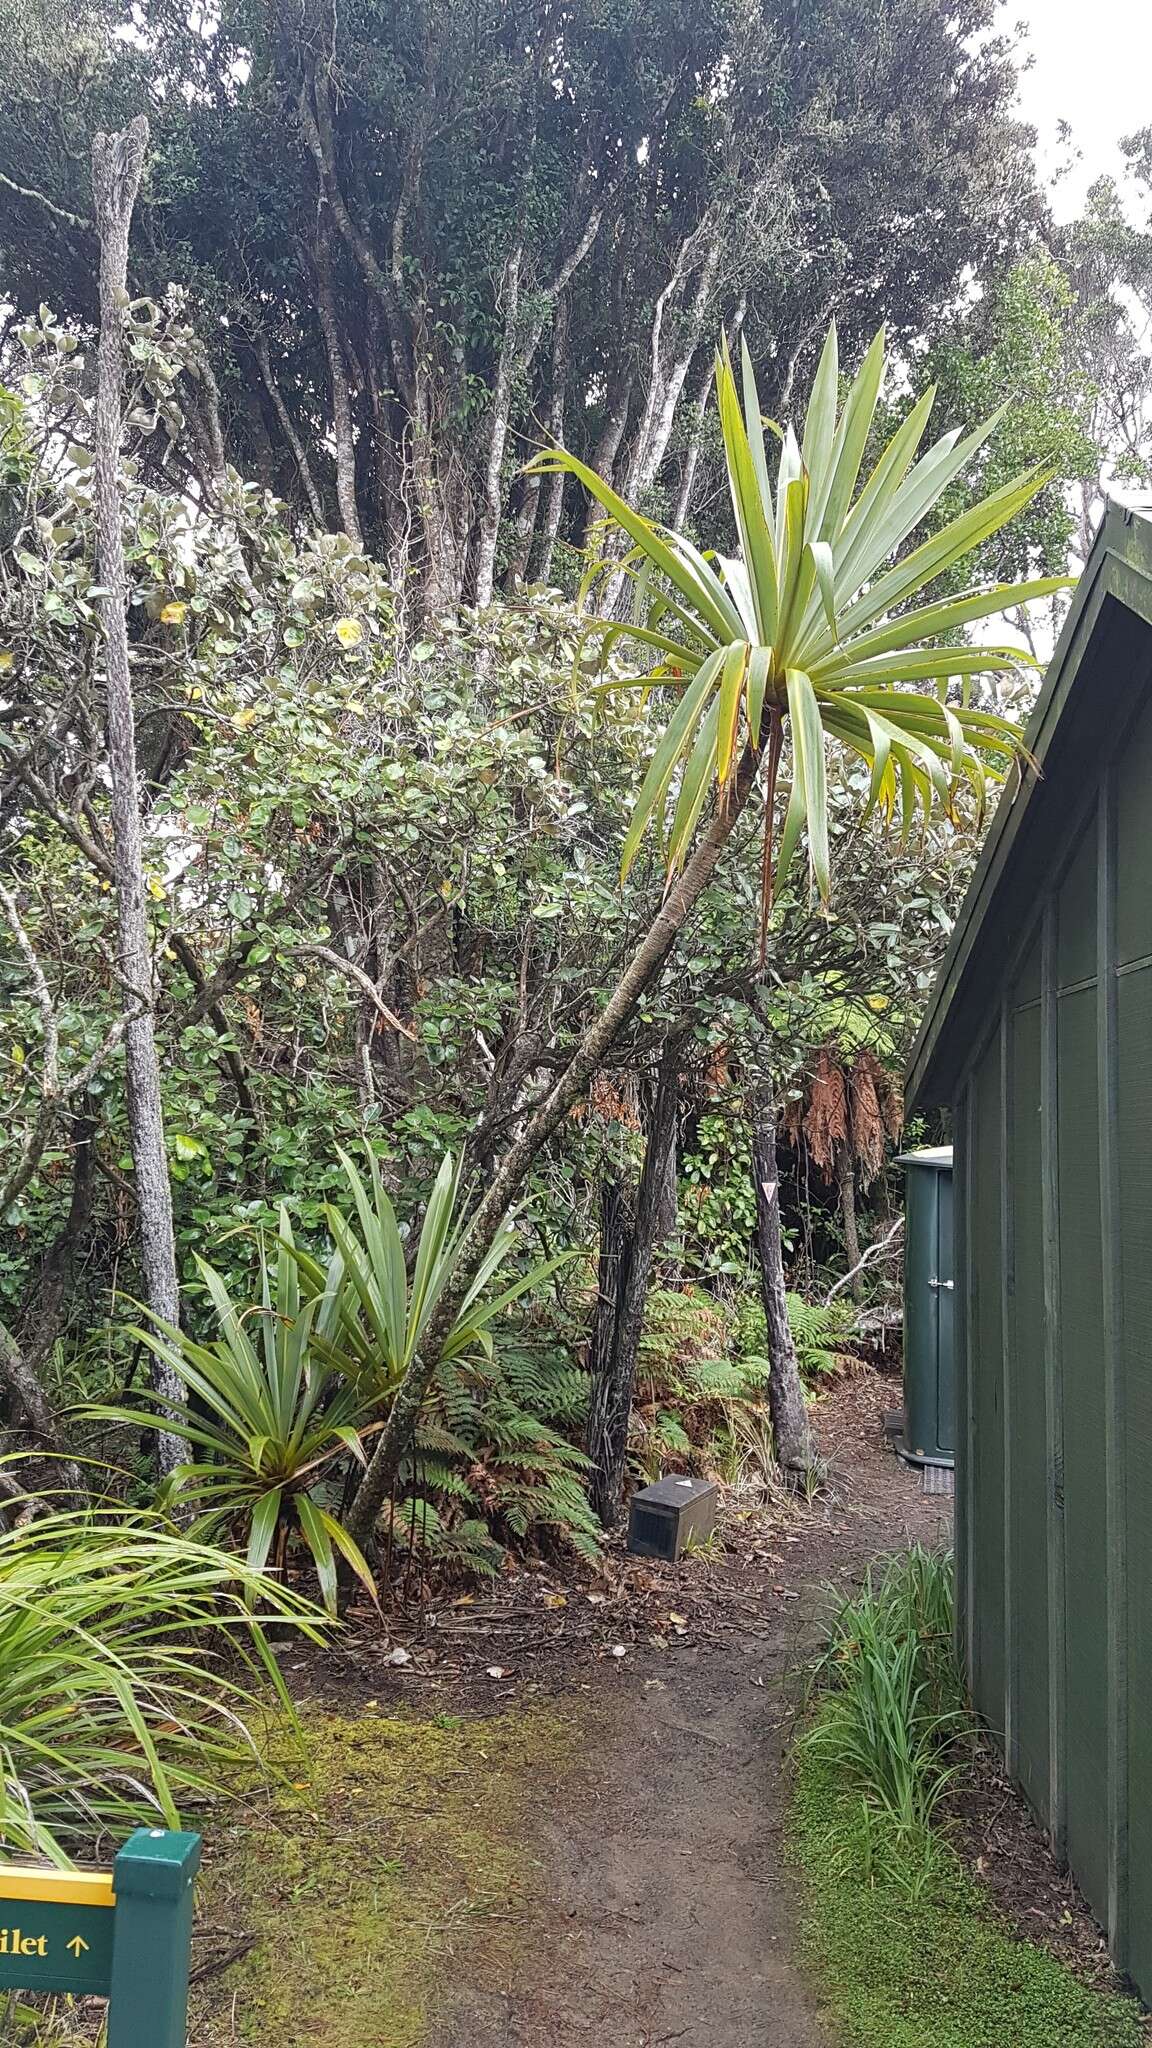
(1026, 1453)
(1039, 1035)
(1134, 1148)
(986, 1446)
(1084, 1506)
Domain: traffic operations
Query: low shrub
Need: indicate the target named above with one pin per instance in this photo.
(130, 1657)
(892, 1723)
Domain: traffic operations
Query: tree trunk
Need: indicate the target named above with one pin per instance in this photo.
(512, 1171)
(612, 1394)
(696, 432)
(288, 428)
(617, 1222)
(117, 162)
(606, 451)
(786, 1404)
(498, 435)
(33, 1412)
(554, 504)
(846, 1183)
(43, 1309)
(343, 433)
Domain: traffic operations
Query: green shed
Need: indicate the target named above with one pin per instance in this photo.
(1038, 1036)
(928, 1435)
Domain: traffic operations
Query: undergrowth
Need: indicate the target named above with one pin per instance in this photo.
(933, 1968)
(498, 1464)
(907, 1948)
(893, 1724)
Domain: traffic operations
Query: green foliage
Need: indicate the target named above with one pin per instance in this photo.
(495, 1461)
(818, 1329)
(814, 623)
(696, 1404)
(375, 1312)
(271, 1414)
(119, 1688)
(740, 158)
(718, 1200)
(1010, 349)
(932, 1968)
(891, 1723)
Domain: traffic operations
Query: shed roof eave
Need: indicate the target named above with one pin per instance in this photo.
(1123, 541)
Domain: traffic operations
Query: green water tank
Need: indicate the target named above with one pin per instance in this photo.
(929, 1432)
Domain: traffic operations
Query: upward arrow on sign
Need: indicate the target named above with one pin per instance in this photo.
(77, 1945)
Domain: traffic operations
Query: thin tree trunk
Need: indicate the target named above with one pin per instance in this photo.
(554, 504)
(612, 1394)
(288, 428)
(606, 450)
(523, 533)
(699, 412)
(34, 1414)
(498, 435)
(846, 1184)
(786, 1404)
(617, 1222)
(117, 164)
(512, 1171)
(42, 1311)
(343, 433)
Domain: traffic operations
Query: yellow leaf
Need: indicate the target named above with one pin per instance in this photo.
(18, 1055)
(173, 614)
(349, 632)
(156, 888)
(243, 719)
(876, 1002)
(194, 692)
(7, 658)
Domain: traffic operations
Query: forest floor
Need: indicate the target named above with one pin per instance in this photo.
(557, 1808)
(567, 1797)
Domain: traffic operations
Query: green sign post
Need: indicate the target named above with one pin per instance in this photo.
(122, 1934)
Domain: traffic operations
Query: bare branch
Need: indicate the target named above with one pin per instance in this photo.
(364, 983)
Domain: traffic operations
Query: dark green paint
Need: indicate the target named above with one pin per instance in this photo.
(929, 1291)
(137, 1950)
(154, 1875)
(85, 1967)
(1040, 1036)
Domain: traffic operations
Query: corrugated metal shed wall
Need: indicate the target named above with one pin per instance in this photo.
(1054, 1230)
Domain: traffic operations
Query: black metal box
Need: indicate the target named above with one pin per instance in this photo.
(666, 1517)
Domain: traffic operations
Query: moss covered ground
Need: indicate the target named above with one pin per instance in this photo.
(387, 1855)
(400, 1847)
(937, 1971)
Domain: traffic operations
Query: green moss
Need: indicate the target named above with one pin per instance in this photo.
(937, 1971)
(403, 1844)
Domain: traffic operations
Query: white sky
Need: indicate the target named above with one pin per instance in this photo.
(1093, 69)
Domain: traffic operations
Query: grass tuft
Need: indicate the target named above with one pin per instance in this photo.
(907, 1948)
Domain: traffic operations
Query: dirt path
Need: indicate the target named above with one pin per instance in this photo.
(668, 1914)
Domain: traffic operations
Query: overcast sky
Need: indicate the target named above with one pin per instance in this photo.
(1093, 68)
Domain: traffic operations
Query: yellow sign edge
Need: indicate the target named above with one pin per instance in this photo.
(56, 1887)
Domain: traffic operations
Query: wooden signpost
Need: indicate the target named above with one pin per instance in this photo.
(122, 1934)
